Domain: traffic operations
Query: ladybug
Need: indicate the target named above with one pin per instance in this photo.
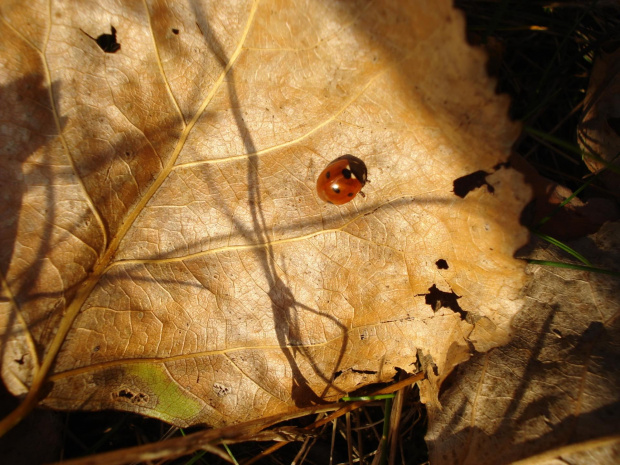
(342, 180)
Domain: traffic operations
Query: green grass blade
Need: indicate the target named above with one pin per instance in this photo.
(230, 454)
(363, 398)
(574, 267)
(564, 247)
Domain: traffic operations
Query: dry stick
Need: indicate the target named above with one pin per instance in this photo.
(347, 408)
(349, 437)
(397, 409)
(179, 446)
(333, 445)
(301, 450)
(176, 447)
(360, 442)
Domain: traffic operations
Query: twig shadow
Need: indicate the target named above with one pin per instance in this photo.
(284, 306)
(30, 128)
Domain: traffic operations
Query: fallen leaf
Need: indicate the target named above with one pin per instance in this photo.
(599, 129)
(551, 394)
(164, 250)
(575, 219)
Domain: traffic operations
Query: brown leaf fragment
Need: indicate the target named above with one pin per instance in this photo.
(599, 129)
(554, 386)
(575, 219)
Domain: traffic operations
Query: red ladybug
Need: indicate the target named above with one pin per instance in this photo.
(342, 180)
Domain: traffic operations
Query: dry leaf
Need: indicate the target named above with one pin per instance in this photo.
(552, 392)
(575, 219)
(599, 129)
(164, 250)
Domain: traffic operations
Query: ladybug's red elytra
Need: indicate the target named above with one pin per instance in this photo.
(342, 180)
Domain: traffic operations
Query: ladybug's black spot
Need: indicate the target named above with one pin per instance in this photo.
(350, 194)
(108, 42)
(346, 173)
(327, 175)
(336, 189)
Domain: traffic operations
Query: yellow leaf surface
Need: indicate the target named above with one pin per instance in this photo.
(164, 250)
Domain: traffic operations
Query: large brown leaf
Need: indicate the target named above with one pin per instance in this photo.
(164, 250)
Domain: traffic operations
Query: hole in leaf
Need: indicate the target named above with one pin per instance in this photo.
(127, 395)
(438, 299)
(107, 42)
(364, 372)
(466, 184)
(353, 370)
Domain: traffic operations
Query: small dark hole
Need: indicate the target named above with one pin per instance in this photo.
(108, 42)
(442, 264)
(175, 31)
(364, 372)
(467, 183)
(125, 393)
(437, 299)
